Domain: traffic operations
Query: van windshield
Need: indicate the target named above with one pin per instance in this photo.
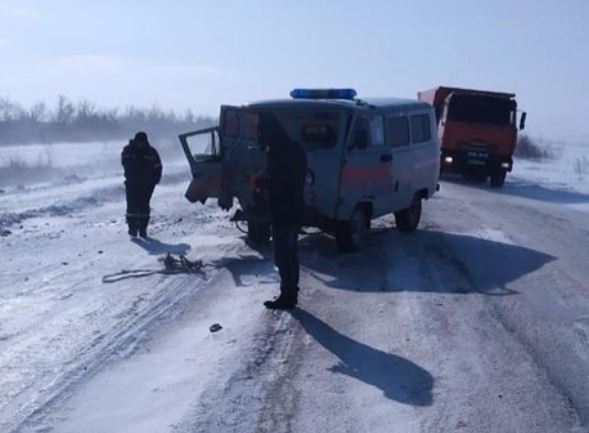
(314, 129)
(481, 109)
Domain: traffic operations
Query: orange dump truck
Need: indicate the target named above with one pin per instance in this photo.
(477, 131)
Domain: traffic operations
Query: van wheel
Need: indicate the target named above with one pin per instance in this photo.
(408, 219)
(350, 235)
(498, 178)
(258, 233)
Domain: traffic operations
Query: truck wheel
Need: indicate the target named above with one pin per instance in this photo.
(498, 178)
(408, 219)
(258, 233)
(350, 235)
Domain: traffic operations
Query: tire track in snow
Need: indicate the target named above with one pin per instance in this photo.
(36, 401)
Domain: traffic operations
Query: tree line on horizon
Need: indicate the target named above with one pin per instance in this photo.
(83, 121)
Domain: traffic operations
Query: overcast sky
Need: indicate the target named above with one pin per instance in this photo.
(199, 54)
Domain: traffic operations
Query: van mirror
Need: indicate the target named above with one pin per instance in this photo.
(522, 121)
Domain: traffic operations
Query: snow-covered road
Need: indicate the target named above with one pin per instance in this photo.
(478, 322)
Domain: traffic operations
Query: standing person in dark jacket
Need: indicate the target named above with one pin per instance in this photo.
(143, 171)
(284, 182)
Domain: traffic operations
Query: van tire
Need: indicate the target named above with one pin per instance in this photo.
(498, 178)
(258, 233)
(408, 219)
(350, 235)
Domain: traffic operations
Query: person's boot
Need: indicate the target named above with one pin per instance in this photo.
(283, 302)
(143, 228)
(132, 228)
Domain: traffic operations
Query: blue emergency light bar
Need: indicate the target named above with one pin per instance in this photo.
(323, 94)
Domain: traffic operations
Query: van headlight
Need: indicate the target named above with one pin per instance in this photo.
(310, 177)
(448, 160)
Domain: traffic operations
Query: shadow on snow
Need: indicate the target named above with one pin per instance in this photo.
(425, 261)
(157, 247)
(399, 379)
(519, 188)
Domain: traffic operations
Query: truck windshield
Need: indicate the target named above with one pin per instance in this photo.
(481, 109)
(313, 129)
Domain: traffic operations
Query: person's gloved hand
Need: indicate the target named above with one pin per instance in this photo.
(257, 181)
(253, 181)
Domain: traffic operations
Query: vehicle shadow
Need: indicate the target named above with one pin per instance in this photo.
(541, 193)
(399, 379)
(246, 265)
(424, 261)
(523, 189)
(156, 247)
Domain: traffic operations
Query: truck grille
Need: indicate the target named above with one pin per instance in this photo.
(477, 147)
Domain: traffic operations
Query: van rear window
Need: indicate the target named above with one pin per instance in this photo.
(231, 123)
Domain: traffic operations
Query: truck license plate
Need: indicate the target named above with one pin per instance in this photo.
(476, 162)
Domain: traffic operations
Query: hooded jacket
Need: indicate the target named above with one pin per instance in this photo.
(142, 164)
(284, 179)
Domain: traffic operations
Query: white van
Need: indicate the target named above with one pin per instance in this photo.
(366, 158)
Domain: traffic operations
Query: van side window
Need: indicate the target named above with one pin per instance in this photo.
(361, 130)
(420, 128)
(398, 131)
(231, 123)
(377, 131)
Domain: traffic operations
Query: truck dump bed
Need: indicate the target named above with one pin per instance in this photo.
(438, 95)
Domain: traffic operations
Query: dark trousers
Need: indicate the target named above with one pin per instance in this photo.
(138, 197)
(286, 258)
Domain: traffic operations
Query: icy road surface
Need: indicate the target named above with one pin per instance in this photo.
(478, 322)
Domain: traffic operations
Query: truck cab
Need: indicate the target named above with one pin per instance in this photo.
(477, 130)
(366, 158)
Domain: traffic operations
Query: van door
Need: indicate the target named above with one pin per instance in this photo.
(398, 138)
(208, 152)
(365, 174)
(202, 152)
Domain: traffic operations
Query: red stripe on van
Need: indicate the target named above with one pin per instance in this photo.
(366, 176)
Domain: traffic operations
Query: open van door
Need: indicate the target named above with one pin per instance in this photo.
(208, 153)
(202, 149)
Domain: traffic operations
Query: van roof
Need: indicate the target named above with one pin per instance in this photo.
(386, 104)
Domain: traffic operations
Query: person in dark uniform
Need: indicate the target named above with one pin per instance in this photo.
(143, 171)
(284, 183)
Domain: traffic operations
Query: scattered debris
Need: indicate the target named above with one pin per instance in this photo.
(215, 327)
(171, 265)
(64, 263)
(5, 233)
(100, 252)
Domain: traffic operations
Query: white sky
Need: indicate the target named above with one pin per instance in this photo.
(199, 54)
